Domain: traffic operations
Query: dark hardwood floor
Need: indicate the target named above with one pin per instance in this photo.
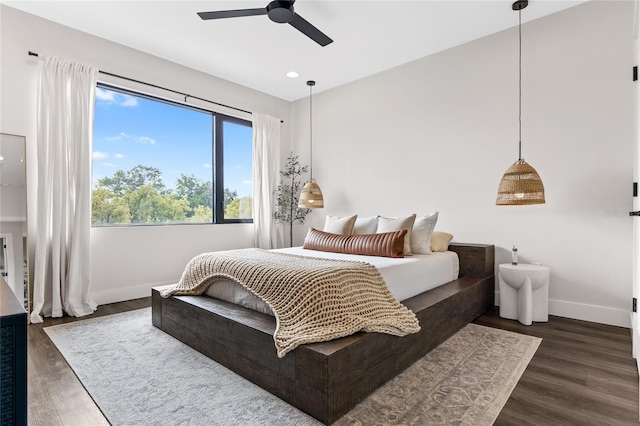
(582, 374)
(55, 396)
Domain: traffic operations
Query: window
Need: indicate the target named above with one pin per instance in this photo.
(237, 148)
(160, 162)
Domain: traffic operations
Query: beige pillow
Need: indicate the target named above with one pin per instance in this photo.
(339, 225)
(392, 224)
(365, 225)
(421, 233)
(440, 241)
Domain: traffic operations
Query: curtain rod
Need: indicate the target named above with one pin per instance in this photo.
(186, 95)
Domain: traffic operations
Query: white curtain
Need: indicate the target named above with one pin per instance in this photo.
(266, 173)
(63, 221)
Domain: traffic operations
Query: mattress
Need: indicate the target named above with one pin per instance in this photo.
(405, 277)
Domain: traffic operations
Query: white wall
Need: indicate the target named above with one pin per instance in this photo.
(126, 262)
(438, 133)
(435, 134)
(14, 230)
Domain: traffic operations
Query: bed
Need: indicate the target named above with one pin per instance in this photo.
(400, 275)
(327, 379)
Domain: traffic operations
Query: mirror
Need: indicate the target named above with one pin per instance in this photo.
(13, 215)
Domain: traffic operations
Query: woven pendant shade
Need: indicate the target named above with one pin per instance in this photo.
(311, 197)
(520, 185)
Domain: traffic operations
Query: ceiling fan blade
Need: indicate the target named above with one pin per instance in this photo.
(302, 25)
(232, 13)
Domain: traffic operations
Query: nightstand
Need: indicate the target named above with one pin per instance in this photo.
(524, 292)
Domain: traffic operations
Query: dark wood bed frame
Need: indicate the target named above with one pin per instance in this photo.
(327, 379)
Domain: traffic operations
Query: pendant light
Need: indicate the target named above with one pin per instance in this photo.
(311, 195)
(520, 184)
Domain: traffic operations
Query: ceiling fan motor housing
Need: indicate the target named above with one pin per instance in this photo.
(280, 11)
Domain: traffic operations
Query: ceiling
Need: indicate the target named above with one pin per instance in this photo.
(369, 36)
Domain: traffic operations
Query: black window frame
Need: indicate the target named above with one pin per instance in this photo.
(217, 160)
(218, 165)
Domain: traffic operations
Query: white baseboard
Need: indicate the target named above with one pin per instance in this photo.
(102, 297)
(584, 312)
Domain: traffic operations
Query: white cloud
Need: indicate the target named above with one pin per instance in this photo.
(118, 156)
(118, 137)
(146, 139)
(109, 165)
(207, 165)
(128, 101)
(100, 155)
(238, 166)
(104, 95)
(123, 135)
(247, 182)
(114, 98)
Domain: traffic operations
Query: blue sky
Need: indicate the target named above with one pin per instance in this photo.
(130, 130)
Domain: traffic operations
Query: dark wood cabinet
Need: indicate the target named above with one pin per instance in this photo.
(13, 358)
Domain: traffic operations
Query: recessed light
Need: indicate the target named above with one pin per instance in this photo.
(292, 74)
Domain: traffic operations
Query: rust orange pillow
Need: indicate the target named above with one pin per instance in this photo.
(387, 244)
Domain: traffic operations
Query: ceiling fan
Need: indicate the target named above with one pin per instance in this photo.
(278, 11)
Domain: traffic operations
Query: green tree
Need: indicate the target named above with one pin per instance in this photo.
(201, 214)
(196, 191)
(287, 192)
(139, 196)
(240, 208)
(106, 207)
(122, 182)
(148, 206)
(229, 196)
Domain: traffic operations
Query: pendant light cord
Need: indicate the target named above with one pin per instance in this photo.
(520, 84)
(310, 132)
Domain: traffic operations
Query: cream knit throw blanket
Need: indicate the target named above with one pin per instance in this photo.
(313, 299)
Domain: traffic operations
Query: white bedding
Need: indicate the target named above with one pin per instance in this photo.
(405, 277)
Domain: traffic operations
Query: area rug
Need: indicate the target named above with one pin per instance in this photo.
(139, 375)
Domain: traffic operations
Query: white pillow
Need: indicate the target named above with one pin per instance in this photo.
(421, 233)
(365, 225)
(393, 224)
(339, 225)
